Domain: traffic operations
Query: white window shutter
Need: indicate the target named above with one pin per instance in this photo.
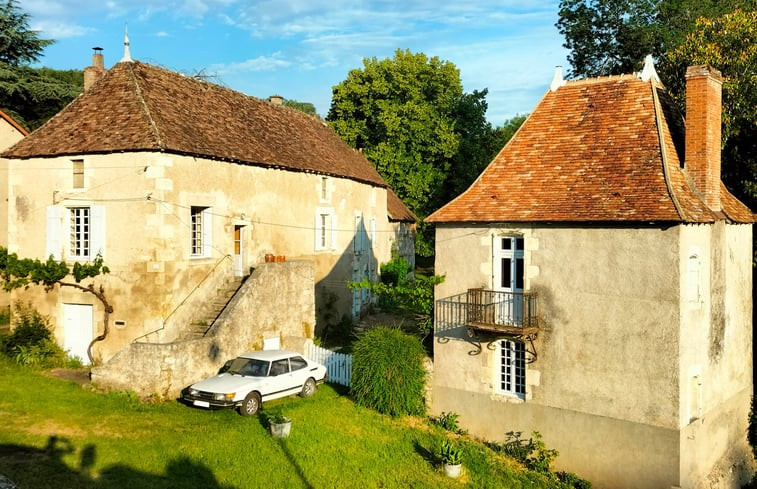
(373, 232)
(356, 237)
(53, 232)
(207, 232)
(333, 232)
(317, 230)
(96, 231)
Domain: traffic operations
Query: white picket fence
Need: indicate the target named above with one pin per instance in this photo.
(338, 365)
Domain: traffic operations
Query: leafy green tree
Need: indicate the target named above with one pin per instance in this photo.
(33, 95)
(18, 272)
(427, 138)
(729, 43)
(305, 107)
(18, 44)
(400, 112)
(609, 37)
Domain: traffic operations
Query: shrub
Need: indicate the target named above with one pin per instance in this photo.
(752, 430)
(395, 271)
(532, 453)
(572, 480)
(388, 373)
(448, 421)
(31, 343)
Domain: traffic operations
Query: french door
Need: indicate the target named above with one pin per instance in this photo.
(508, 279)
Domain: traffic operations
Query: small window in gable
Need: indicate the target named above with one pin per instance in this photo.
(78, 168)
(325, 229)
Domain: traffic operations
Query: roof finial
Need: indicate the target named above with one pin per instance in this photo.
(127, 53)
(557, 81)
(648, 72)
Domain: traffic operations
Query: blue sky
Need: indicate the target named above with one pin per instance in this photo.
(300, 49)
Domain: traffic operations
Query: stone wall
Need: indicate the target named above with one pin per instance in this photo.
(277, 301)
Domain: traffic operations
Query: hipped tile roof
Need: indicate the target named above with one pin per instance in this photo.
(606, 149)
(139, 107)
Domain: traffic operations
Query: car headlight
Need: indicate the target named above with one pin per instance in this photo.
(224, 397)
(194, 392)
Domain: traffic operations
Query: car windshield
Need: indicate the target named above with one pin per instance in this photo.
(249, 367)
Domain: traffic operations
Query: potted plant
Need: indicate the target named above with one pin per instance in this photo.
(452, 458)
(278, 424)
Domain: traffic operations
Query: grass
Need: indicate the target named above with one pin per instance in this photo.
(57, 434)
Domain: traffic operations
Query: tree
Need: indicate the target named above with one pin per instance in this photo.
(18, 44)
(400, 112)
(425, 136)
(33, 95)
(729, 43)
(18, 272)
(613, 36)
(305, 107)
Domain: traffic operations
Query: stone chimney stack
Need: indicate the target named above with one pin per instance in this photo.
(276, 100)
(96, 71)
(704, 87)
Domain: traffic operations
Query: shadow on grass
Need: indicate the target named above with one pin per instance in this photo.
(427, 454)
(34, 467)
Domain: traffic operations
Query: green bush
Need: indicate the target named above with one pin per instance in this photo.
(388, 373)
(448, 421)
(31, 342)
(752, 431)
(572, 480)
(395, 271)
(450, 453)
(532, 453)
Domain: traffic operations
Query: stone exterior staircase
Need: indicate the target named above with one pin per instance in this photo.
(201, 324)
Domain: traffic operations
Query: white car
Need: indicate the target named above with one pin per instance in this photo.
(255, 377)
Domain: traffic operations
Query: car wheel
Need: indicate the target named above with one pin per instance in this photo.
(308, 388)
(250, 405)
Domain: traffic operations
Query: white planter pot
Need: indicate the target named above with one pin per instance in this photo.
(452, 470)
(280, 430)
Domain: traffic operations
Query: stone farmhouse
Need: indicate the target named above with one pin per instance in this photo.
(599, 288)
(184, 188)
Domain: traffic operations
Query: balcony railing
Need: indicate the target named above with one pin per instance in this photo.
(510, 313)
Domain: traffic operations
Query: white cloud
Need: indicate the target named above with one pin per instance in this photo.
(261, 63)
(60, 30)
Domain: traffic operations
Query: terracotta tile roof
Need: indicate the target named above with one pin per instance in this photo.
(139, 107)
(397, 209)
(591, 151)
(13, 123)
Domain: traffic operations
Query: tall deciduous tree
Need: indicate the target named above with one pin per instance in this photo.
(427, 138)
(400, 112)
(18, 44)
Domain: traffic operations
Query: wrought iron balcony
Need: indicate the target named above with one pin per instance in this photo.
(507, 313)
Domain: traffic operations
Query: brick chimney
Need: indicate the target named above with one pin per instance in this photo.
(703, 111)
(96, 71)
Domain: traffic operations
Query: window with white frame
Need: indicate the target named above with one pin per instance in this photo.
(79, 232)
(78, 175)
(324, 189)
(325, 229)
(510, 375)
(201, 228)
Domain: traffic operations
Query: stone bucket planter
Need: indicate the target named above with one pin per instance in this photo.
(281, 430)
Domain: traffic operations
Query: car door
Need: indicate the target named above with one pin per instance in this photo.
(300, 372)
(283, 380)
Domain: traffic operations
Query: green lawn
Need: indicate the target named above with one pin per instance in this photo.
(57, 434)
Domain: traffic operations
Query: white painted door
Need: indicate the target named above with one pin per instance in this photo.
(78, 329)
(238, 255)
(508, 278)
